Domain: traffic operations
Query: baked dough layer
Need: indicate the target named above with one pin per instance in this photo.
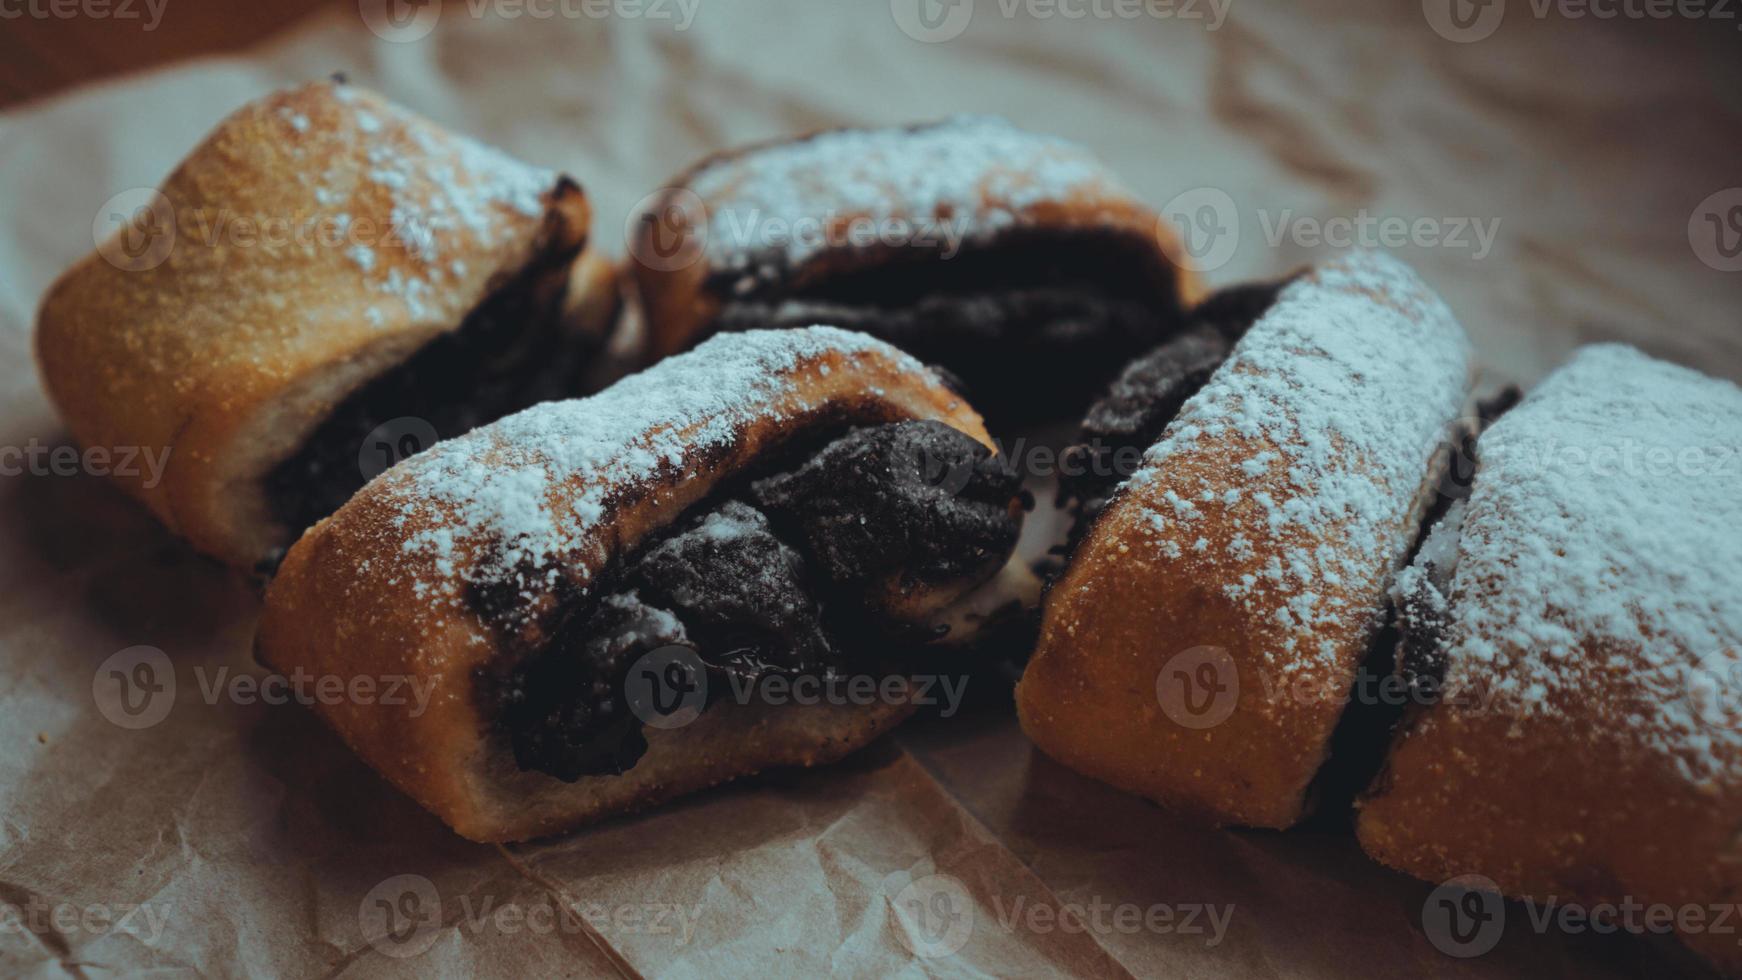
(315, 239)
(534, 508)
(1250, 556)
(1017, 261)
(1587, 747)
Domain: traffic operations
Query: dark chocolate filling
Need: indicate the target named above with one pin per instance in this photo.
(1139, 405)
(1423, 613)
(508, 354)
(1424, 626)
(1361, 739)
(740, 591)
(1054, 312)
(910, 499)
(1405, 665)
(769, 576)
(1135, 412)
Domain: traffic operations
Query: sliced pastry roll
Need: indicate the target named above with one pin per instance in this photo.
(599, 591)
(1016, 261)
(1580, 618)
(1202, 642)
(325, 284)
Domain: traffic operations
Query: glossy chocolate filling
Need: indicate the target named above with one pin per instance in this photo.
(508, 354)
(780, 572)
(1138, 406)
(1054, 312)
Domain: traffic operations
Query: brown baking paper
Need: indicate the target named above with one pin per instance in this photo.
(232, 837)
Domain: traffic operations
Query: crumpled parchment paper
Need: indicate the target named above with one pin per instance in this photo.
(1551, 179)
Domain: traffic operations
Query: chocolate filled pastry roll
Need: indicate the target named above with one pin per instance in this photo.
(1200, 645)
(325, 284)
(1016, 261)
(1134, 411)
(801, 505)
(1581, 617)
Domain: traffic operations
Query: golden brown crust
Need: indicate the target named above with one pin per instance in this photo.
(360, 596)
(594, 300)
(292, 276)
(1552, 813)
(1588, 746)
(1201, 644)
(681, 271)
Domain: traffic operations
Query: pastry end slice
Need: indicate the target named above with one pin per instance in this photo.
(1201, 644)
(1583, 621)
(322, 264)
(699, 509)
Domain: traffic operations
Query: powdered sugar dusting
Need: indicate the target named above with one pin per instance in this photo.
(1344, 390)
(1601, 558)
(445, 192)
(1428, 579)
(535, 486)
(977, 173)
